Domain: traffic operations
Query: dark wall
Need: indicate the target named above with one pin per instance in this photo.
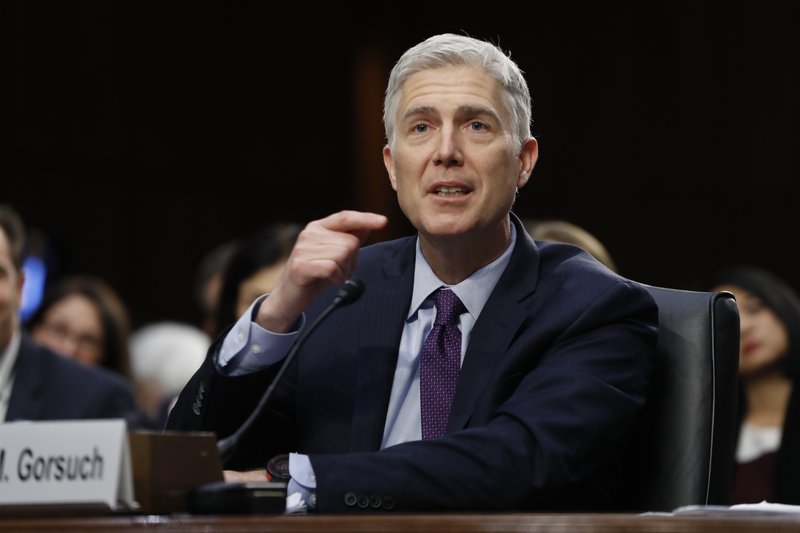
(138, 135)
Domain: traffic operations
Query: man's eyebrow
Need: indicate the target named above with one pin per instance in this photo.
(474, 110)
(465, 110)
(416, 111)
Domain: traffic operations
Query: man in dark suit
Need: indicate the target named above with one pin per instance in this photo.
(555, 349)
(36, 383)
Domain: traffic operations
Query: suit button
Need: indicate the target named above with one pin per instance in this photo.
(375, 501)
(363, 501)
(388, 503)
(349, 499)
(198, 401)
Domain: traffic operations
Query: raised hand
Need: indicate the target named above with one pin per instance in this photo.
(326, 253)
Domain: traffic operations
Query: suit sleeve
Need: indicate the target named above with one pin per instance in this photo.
(214, 402)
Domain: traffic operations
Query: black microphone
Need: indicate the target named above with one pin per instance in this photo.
(349, 292)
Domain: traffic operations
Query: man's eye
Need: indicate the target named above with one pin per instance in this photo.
(477, 126)
(420, 128)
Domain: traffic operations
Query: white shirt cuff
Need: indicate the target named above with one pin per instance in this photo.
(300, 491)
(248, 347)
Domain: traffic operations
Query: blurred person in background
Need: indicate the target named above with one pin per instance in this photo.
(252, 270)
(35, 382)
(164, 355)
(83, 318)
(208, 284)
(768, 447)
(569, 233)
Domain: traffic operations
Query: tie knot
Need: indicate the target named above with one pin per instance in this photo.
(448, 306)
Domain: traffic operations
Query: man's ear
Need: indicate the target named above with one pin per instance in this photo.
(528, 156)
(388, 163)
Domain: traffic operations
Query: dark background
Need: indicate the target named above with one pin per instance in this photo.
(136, 136)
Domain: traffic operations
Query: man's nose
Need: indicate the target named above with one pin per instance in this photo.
(449, 150)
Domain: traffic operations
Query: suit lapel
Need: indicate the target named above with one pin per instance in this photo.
(383, 315)
(27, 397)
(496, 327)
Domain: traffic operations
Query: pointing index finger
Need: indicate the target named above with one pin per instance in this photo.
(358, 223)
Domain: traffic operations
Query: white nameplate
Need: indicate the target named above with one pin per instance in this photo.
(66, 462)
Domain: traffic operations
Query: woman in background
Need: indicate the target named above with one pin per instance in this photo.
(768, 447)
(81, 317)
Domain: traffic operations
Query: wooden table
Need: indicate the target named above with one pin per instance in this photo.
(431, 523)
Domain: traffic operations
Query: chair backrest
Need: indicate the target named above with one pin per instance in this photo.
(683, 452)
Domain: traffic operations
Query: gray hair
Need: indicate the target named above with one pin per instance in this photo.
(458, 50)
(167, 354)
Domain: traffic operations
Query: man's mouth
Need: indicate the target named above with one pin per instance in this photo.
(449, 191)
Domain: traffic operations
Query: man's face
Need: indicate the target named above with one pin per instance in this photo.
(454, 163)
(10, 292)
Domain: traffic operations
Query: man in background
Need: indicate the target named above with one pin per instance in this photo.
(35, 382)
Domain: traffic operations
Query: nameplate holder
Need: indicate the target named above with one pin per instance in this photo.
(168, 465)
(59, 464)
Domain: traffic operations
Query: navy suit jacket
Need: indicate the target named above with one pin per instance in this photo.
(554, 377)
(48, 386)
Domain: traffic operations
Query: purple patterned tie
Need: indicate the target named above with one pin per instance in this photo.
(441, 360)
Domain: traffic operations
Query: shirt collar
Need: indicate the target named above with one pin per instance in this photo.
(473, 291)
(7, 360)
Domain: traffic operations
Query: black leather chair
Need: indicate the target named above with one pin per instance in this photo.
(684, 448)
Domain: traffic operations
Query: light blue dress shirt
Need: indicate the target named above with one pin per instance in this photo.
(248, 347)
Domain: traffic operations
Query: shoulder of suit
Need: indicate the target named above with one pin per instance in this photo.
(569, 266)
(556, 255)
(384, 247)
(69, 369)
